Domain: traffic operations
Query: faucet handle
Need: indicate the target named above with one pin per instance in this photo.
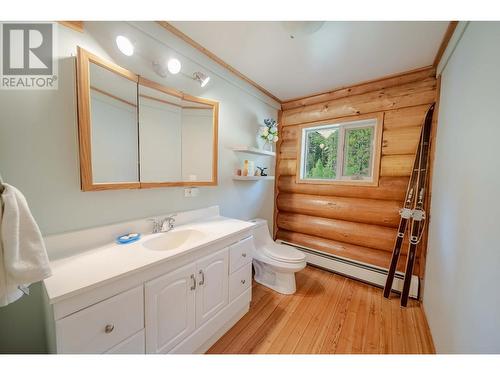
(171, 221)
(156, 224)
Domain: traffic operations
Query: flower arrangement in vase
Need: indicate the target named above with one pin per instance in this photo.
(268, 134)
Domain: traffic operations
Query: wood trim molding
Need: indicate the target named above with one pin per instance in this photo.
(74, 25)
(428, 200)
(167, 26)
(113, 68)
(159, 100)
(444, 43)
(377, 154)
(113, 96)
(156, 86)
(362, 87)
(277, 175)
(84, 58)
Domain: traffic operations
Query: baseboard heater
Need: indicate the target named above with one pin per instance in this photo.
(355, 270)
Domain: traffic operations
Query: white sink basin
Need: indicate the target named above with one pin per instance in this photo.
(172, 240)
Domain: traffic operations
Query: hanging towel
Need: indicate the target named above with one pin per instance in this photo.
(23, 258)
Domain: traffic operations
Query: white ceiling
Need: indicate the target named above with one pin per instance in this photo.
(339, 54)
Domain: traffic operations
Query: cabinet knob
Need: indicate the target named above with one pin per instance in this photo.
(244, 255)
(243, 281)
(109, 328)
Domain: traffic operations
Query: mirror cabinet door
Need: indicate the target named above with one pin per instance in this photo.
(136, 133)
(198, 141)
(114, 129)
(160, 129)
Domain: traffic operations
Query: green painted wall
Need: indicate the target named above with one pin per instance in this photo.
(39, 155)
(22, 324)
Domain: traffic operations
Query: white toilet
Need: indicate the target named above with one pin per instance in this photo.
(275, 264)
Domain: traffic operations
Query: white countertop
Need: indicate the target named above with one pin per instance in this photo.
(77, 273)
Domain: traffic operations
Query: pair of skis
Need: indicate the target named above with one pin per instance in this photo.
(412, 212)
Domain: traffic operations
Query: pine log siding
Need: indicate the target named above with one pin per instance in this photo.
(355, 222)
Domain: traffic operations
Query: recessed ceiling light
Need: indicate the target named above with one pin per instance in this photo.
(125, 45)
(202, 78)
(174, 66)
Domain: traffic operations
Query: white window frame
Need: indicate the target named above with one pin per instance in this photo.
(372, 121)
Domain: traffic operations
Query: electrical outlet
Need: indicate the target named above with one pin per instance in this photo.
(191, 192)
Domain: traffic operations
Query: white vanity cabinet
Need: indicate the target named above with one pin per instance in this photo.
(170, 309)
(180, 305)
(212, 285)
(183, 300)
(100, 327)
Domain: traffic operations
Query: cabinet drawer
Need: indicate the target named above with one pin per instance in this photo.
(133, 345)
(98, 328)
(240, 253)
(240, 281)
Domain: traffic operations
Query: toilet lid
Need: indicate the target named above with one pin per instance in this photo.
(283, 253)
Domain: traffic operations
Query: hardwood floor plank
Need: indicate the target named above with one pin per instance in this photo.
(304, 333)
(278, 344)
(238, 343)
(371, 340)
(422, 328)
(348, 332)
(260, 299)
(273, 325)
(385, 329)
(329, 313)
(316, 330)
(340, 314)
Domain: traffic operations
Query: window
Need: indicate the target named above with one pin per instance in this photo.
(341, 152)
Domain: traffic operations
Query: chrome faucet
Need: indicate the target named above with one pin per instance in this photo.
(164, 224)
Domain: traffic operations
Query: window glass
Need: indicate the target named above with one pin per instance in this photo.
(342, 151)
(358, 152)
(322, 147)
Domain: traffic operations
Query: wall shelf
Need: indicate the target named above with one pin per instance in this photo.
(252, 178)
(253, 150)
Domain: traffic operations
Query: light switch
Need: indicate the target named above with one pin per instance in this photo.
(191, 192)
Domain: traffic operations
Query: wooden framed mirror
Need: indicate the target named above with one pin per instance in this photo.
(178, 137)
(136, 133)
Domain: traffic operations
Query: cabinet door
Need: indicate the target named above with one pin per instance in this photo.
(212, 290)
(170, 309)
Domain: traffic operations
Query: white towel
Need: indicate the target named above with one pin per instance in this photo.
(23, 258)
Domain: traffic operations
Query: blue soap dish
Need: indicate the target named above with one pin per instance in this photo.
(128, 238)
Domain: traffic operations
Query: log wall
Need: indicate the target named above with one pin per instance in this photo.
(356, 222)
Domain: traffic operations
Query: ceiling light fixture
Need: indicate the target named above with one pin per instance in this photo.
(124, 45)
(202, 78)
(301, 28)
(174, 66)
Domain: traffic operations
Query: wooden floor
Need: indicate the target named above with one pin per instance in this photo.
(328, 314)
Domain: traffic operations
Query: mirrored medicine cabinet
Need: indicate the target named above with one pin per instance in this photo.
(135, 133)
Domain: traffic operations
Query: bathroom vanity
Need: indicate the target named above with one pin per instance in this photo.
(172, 292)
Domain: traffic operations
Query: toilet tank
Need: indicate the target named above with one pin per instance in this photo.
(261, 233)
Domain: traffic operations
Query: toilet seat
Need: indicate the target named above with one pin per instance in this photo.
(283, 253)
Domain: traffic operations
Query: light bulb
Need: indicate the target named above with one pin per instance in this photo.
(174, 66)
(125, 45)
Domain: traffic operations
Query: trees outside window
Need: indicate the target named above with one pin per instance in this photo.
(338, 151)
